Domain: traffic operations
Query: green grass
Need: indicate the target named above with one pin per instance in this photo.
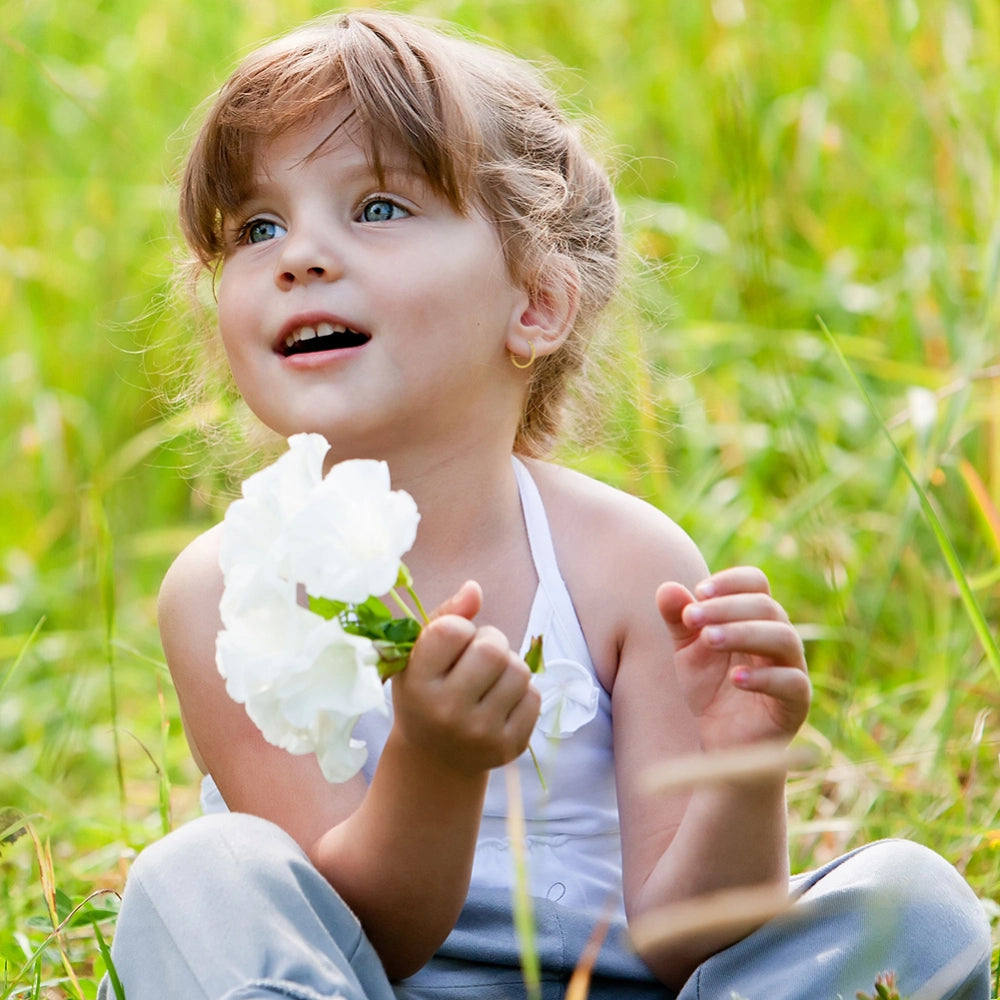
(817, 167)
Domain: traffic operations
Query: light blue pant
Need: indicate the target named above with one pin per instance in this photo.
(229, 908)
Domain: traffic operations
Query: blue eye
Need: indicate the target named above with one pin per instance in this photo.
(382, 210)
(260, 231)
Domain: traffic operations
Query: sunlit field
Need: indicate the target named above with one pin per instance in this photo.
(805, 373)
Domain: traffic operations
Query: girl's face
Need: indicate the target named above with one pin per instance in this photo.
(376, 315)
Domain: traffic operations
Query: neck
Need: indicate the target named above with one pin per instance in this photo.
(463, 482)
(471, 528)
(467, 504)
(471, 525)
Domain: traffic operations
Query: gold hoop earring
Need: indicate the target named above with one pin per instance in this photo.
(524, 364)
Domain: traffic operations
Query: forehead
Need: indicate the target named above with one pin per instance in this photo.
(337, 135)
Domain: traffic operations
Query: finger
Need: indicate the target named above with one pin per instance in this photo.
(482, 665)
(506, 728)
(789, 686)
(509, 687)
(440, 643)
(733, 608)
(522, 718)
(735, 580)
(775, 641)
(466, 602)
(671, 600)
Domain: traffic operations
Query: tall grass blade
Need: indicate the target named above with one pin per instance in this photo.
(578, 986)
(33, 635)
(984, 503)
(727, 911)
(972, 609)
(105, 569)
(46, 869)
(113, 978)
(746, 764)
(524, 914)
(163, 782)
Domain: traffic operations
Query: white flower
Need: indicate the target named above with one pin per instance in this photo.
(255, 531)
(342, 536)
(303, 680)
(569, 697)
(347, 540)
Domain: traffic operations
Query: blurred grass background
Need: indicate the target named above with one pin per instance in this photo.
(785, 168)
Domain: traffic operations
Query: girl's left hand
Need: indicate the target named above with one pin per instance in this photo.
(739, 661)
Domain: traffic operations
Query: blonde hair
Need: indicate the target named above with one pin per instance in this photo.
(483, 126)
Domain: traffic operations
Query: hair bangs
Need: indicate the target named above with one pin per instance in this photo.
(409, 98)
(404, 97)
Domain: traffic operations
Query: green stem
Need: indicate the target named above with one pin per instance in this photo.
(403, 606)
(416, 601)
(538, 768)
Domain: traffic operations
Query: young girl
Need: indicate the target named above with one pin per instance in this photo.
(410, 246)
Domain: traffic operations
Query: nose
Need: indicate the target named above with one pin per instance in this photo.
(307, 255)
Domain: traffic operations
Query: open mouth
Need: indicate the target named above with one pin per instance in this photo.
(321, 337)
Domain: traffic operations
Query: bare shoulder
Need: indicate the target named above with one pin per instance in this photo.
(188, 616)
(194, 579)
(252, 775)
(188, 613)
(589, 518)
(614, 550)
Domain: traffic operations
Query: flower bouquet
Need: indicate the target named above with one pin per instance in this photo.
(305, 645)
(307, 640)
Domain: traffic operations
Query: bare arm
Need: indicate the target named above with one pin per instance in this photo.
(403, 860)
(400, 852)
(675, 692)
(736, 667)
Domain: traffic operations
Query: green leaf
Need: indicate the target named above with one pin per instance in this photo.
(12, 826)
(534, 655)
(64, 904)
(113, 978)
(326, 608)
(373, 608)
(402, 631)
(393, 659)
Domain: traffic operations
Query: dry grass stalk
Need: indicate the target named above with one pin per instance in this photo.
(728, 910)
(578, 987)
(742, 764)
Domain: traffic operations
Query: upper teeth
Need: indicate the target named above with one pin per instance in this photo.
(311, 332)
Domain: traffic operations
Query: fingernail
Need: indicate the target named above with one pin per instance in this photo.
(705, 589)
(741, 675)
(695, 615)
(714, 635)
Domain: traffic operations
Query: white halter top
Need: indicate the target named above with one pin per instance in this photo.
(573, 843)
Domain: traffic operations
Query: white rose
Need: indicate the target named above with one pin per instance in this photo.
(347, 540)
(255, 526)
(260, 638)
(303, 680)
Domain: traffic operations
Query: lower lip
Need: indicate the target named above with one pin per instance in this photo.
(319, 359)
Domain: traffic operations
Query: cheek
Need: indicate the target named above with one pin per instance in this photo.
(232, 309)
(233, 336)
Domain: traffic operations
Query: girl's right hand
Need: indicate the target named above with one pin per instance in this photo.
(466, 697)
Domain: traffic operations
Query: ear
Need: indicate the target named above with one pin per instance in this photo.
(544, 317)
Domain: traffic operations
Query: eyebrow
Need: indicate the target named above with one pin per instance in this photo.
(393, 172)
